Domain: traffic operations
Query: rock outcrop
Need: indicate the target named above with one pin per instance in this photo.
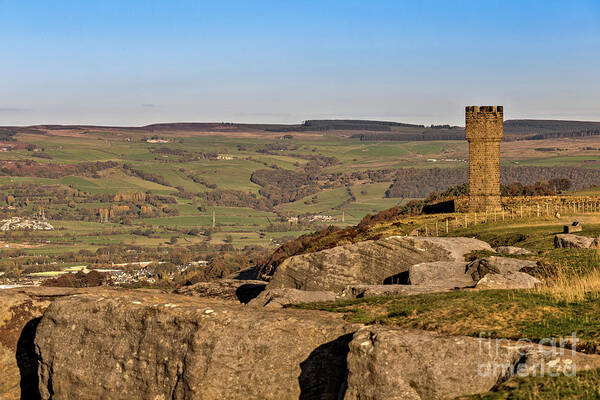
(513, 251)
(388, 363)
(442, 274)
(575, 226)
(359, 291)
(372, 262)
(498, 265)
(569, 241)
(167, 347)
(278, 298)
(117, 344)
(20, 310)
(392, 363)
(227, 289)
(509, 280)
(447, 275)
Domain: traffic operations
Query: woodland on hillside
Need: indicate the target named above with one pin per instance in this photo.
(414, 183)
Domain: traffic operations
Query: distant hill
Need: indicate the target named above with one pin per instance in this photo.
(529, 126)
(518, 129)
(533, 129)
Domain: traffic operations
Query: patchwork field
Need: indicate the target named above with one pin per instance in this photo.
(185, 175)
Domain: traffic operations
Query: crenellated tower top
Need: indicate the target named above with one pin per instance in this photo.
(484, 123)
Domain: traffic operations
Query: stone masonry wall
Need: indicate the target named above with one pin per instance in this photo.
(484, 130)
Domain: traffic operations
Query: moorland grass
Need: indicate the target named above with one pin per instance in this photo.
(511, 314)
(584, 386)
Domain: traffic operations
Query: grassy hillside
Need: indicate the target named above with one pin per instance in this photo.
(188, 171)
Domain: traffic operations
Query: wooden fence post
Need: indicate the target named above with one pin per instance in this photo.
(446, 226)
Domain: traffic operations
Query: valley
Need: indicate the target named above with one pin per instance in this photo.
(177, 193)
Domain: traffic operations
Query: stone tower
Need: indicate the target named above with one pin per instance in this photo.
(484, 129)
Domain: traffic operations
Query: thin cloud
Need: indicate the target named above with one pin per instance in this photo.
(263, 114)
(12, 109)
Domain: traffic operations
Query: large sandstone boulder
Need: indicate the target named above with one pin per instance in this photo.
(227, 289)
(360, 291)
(148, 346)
(391, 364)
(372, 262)
(20, 311)
(509, 280)
(513, 251)
(132, 344)
(575, 226)
(568, 241)
(388, 363)
(278, 298)
(443, 274)
(498, 265)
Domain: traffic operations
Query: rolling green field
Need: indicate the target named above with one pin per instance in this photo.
(188, 167)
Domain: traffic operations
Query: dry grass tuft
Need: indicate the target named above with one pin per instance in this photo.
(572, 287)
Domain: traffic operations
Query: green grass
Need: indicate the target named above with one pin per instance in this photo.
(426, 148)
(114, 181)
(227, 174)
(512, 314)
(370, 199)
(225, 216)
(584, 386)
(80, 183)
(174, 177)
(378, 150)
(326, 201)
(561, 160)
(27, 179)
(532, 233)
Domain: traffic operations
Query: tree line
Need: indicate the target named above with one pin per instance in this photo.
(418, 183)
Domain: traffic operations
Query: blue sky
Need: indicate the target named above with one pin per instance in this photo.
(138, 62)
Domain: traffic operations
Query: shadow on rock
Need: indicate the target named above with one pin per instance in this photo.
(401, 278)
(248, 291)
(27, 361)
(324, 373)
